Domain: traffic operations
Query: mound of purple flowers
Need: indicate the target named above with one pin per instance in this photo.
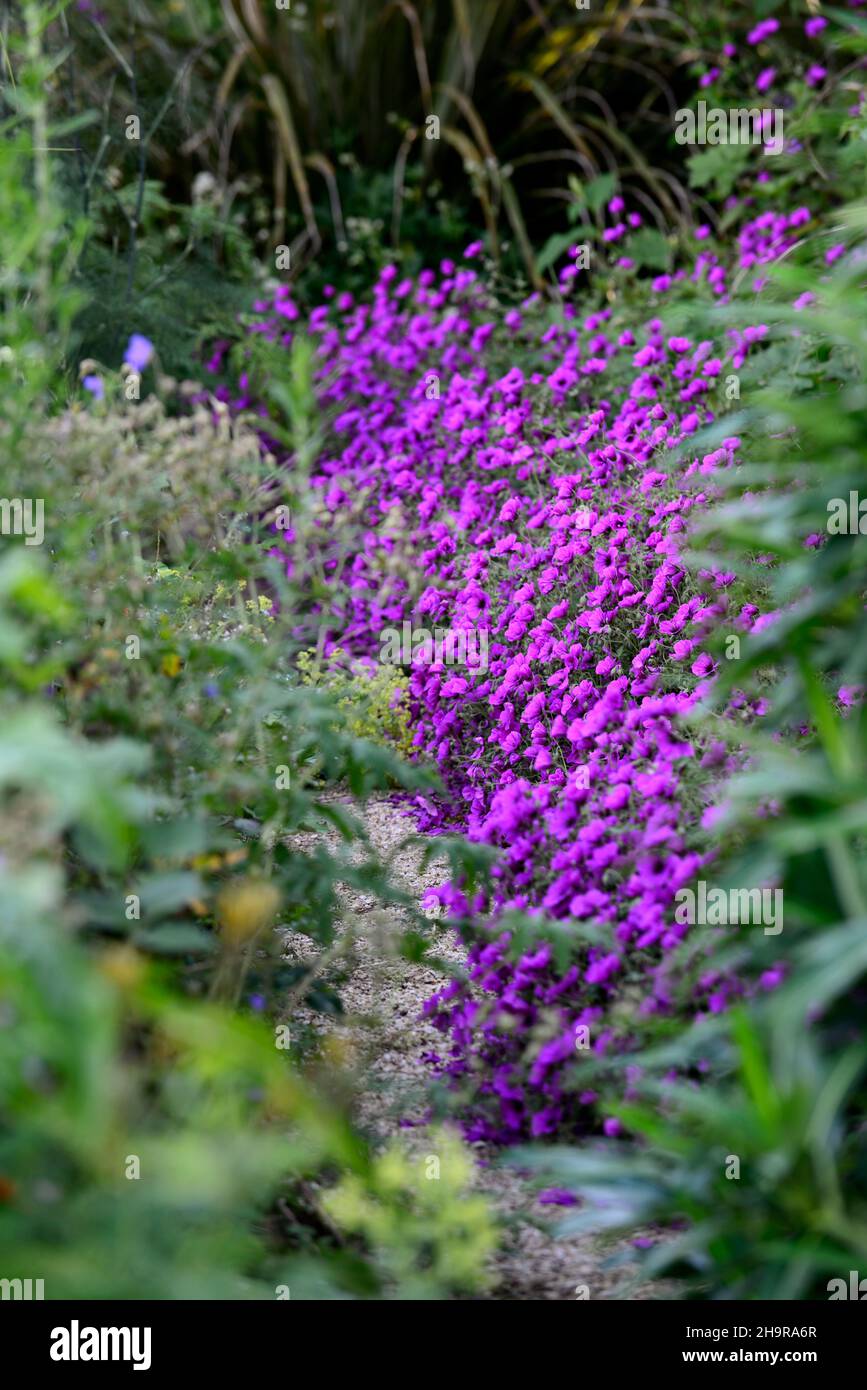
(556, 528)
(533, 475)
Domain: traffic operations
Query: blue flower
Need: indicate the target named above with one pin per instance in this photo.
(96, 387)
(139, 351)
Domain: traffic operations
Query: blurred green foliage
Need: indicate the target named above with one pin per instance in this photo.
(169, 792)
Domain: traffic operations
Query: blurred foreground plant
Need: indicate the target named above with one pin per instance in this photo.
(166, 785)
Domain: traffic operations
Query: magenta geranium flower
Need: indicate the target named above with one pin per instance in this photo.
(765, 79)
(763, 31)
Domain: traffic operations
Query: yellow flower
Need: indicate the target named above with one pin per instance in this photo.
(337, 1053)
(244, 908)
(207, 861)
(171, 664)
(123, 965)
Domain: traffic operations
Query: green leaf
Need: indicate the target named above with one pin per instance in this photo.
(649, 247)
(175, 939)
(600, 190)
(166, 892)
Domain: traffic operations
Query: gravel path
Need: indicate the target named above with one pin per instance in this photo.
(384, 1035)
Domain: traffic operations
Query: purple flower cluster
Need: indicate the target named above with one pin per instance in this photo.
(556, 524)
(546, 503)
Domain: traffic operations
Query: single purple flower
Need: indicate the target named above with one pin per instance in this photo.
(763, 31)
(765, 79)
(557, 1197)
(139, 351)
